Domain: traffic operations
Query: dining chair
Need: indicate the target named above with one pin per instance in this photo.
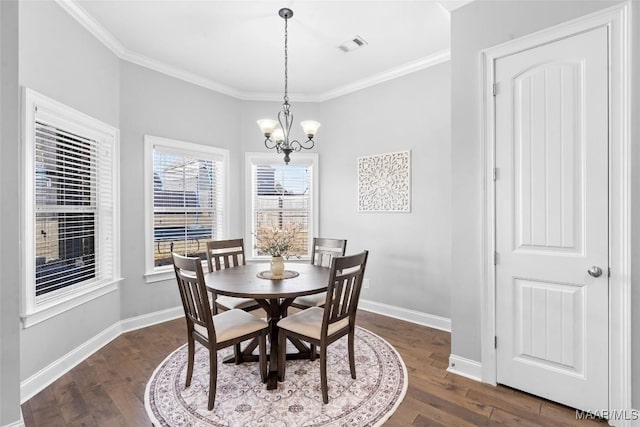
(322, 252)
(323, 326)
(228, 254)
(213, 332)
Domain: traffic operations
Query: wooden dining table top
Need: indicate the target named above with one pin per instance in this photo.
(242, 281)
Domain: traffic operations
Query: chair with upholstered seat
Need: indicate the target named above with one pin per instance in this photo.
(322, 252)
(323, 326)
(213, 332)
(228, 254)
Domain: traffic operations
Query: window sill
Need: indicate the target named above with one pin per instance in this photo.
(66, 302)
(166, 273)
(159, 276)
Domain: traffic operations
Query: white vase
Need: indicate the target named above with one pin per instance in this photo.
(277, 266)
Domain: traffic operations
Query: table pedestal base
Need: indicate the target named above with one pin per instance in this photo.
(275, 310)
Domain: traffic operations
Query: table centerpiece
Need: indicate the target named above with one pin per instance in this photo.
(277, 242)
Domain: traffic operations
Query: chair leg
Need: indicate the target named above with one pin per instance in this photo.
(312, 354)
(213, 376)
(214, 304)
(323, 374)
(237, 353)
(352, 358)
(263, 357)
(191, 348)
(282, 353)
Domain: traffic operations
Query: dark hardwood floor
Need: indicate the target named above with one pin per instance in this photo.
(107, 389)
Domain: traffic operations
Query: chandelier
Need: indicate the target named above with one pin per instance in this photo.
(278, 138)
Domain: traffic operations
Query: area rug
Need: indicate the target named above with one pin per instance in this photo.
(243, 400)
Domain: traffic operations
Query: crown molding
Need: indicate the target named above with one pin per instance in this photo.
(103, 35)
(90, 24)
(110, 41)
(178, 73)
(403, 70)
(411, 67)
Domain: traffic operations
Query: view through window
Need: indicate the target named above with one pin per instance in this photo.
(283, 200)
(187, 202)
(65, 217)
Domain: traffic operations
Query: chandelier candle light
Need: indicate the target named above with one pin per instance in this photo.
(278, 137)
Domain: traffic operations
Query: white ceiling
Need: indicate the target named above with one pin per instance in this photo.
(237, 47)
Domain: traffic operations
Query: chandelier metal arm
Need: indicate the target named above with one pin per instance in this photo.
(275, 145)
(297, 145)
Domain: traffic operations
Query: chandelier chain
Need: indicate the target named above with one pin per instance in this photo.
(286, 60)
(278, 138)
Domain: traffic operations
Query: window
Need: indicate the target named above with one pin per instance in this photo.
(282, 197)
(185, 201)
(71, 230)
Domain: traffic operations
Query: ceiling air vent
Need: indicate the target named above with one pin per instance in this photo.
(352, 44)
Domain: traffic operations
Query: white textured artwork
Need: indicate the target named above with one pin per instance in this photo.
(384, 182)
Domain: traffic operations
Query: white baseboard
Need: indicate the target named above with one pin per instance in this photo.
(465, 367)
(47, 375)
(41, 379)
(149, 319)
(413, 316)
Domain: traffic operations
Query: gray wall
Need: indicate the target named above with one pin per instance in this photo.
(60, 59)
(9, 218)
(155, 104)
(475, 27)
(410, 259)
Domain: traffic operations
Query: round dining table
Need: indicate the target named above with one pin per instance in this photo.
(274, 296)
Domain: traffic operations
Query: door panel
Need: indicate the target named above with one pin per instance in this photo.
(552, 220)
(548, 183)
(549, 321)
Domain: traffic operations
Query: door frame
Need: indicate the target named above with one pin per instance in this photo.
(617, 21)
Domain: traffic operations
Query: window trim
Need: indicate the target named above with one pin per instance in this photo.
(298, 158)
(33, 311)
(152, 273)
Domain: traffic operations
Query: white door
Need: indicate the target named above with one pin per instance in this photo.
(552, 220)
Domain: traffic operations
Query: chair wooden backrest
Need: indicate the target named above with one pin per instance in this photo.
(193, 293)
(324, 250)
(225, 253)
(343, 290)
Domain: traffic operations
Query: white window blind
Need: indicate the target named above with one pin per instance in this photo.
(282, 198)
(188, 202)
(71, 231)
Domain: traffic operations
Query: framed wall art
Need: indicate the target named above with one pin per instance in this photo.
(384, 182)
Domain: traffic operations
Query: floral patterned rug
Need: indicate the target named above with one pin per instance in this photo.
(243, 400)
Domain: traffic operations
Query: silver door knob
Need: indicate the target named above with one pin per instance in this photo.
(595, 271)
